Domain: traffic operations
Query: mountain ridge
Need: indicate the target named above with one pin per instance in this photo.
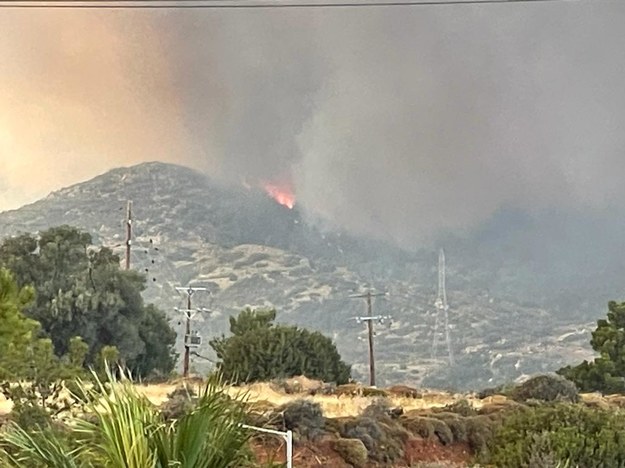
(250, 251)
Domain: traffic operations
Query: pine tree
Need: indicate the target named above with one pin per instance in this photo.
(607, 372)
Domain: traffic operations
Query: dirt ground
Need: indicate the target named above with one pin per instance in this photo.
(321, 454)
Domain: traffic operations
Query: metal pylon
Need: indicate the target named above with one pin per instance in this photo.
(442, 316)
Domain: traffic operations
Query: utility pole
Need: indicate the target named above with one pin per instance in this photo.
(189, 340)
(128, 233)
(370, 319)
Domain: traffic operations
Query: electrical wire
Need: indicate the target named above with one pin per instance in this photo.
(241, 4)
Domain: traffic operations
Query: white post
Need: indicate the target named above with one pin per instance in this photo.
(287, 436)
(289, 449)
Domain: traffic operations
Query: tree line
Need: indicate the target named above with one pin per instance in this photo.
(68, 303)
(56, 288)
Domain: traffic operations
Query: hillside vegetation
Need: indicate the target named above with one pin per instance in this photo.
(248, 250)
(69, 380)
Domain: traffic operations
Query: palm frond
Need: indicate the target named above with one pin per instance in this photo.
(20, 449)
(123, 429)
(124, 420)
(210, 436)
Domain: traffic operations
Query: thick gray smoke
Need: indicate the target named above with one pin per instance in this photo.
(397, 122)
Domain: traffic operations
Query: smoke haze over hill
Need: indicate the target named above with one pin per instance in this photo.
(396, 122)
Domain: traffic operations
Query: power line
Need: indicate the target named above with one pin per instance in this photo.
(238, 4)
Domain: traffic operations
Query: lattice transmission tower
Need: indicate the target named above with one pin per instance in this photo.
(442, 315)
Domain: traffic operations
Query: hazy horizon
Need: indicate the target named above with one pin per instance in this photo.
(398, 123)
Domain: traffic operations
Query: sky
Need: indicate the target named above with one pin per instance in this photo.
(395, 122)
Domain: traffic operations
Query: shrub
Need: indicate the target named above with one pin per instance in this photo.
(540, 452)
(456, 424)
(428, 427)
(404, 391)
(31, 417)
(179, 403)
(395, 431)
(380, 440)
(260, 350)
(379, 408)
(461, 407)
(374, 392)
(304, 417)
(499, 390)
(546, 388)
(264, 413)
(479, 433)
(499, 408)
(298, 384)
(418, 425)
(262, 406)
(349, 389)
(334, 425)
(353, 451)
(35, 405)
(443, 432)
(561, 433)
(458, 428)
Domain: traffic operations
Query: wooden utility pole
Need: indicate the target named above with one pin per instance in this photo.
(369, 319)
(189, 314)
(128, 233)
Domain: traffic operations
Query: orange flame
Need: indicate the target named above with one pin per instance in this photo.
(282, 194)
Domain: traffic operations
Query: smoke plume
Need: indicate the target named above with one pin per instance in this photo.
(395, 122)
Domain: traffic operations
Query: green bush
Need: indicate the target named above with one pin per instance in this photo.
(479, 433)
(546, 388)
(443, 432)
(381, 440)
(418, 425)
(335, 426)
(304, 417)
(428, 427)
(498, 409)
(31, 417)
(260, 350)
(353, 451)
(560, 433)
(456, 424)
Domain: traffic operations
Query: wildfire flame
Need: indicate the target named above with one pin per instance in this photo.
(281, 194)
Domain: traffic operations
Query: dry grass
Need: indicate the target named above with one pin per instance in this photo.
(332, 406)
(341, 406)
(5, 405)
